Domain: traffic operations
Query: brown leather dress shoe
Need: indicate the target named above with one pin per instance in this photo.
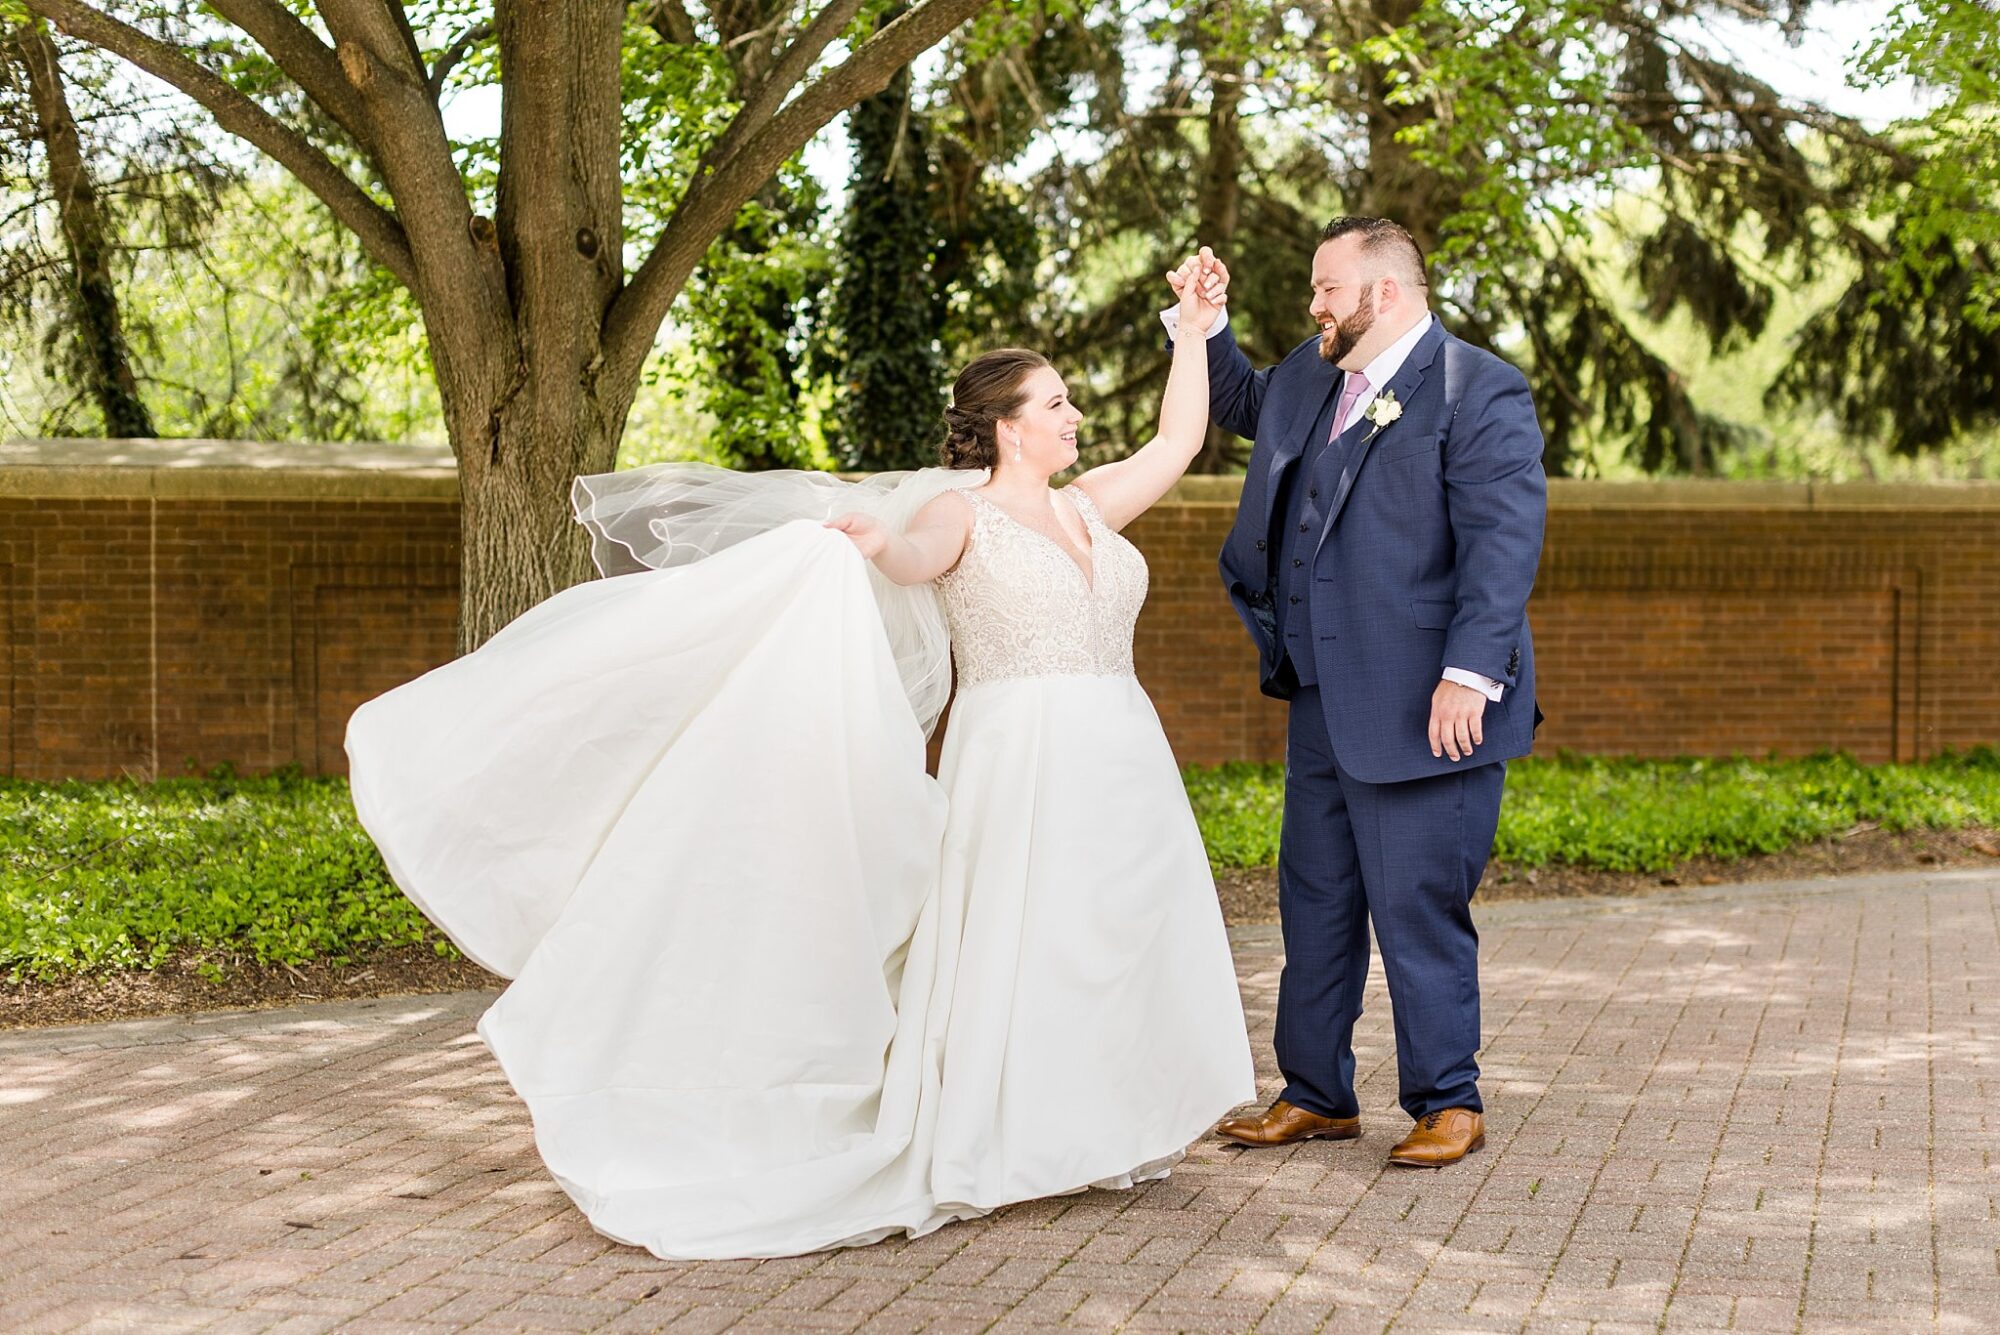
(1284, 1124)
(1439, 1138)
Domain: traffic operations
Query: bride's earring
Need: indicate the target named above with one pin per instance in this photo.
(1017, 447)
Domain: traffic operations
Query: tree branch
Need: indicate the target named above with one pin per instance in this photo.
(306, 60)
(464, 282)
(1861, 240)
(669, 18)
(1663, 108)
(378, 229)
(762, 101)
(409, 35)
(456, 52)
(379, 30)
(712, 201)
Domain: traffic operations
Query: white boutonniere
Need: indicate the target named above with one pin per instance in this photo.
(1382, 411)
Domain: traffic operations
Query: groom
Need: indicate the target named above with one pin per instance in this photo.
(1387, 540)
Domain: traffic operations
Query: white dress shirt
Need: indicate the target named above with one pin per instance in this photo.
(1379, 372)
(1383, 369)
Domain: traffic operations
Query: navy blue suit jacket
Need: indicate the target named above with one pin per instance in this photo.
(1428, 553)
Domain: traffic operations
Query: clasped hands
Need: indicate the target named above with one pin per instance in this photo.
(1202, 284)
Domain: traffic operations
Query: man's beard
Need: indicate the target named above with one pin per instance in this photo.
(1339, 339)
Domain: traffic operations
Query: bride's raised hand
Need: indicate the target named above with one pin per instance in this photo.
(868, 534)
(1202, 283)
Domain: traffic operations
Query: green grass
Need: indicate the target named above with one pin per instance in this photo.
(113, 876)
(1648, 815)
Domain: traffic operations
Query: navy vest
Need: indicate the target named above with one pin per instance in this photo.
(1303, 497)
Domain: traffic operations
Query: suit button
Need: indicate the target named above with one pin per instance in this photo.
(1313, 495)
(1302, 528)
(1296, 563)
(1295, 600)
(1260, 544)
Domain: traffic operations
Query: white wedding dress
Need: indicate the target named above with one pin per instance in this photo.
(774, 988)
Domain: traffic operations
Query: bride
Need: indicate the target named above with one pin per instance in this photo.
(774, 988)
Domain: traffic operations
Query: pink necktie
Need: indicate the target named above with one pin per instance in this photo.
(1356, 386)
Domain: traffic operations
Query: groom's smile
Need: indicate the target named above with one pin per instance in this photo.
(1339, 337)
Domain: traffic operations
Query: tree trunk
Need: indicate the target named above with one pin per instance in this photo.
(518, 543)
(107, 360)
(1398, 187)
(529, 401)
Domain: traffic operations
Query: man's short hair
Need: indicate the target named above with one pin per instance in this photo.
(1387, 242)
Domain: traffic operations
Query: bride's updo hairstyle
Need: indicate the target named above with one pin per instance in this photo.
(989, 388)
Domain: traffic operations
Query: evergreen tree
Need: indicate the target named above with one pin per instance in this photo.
(887, 308)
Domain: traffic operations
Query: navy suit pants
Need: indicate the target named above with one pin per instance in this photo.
(1406, 857)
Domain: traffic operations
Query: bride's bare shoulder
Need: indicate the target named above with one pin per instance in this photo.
(947, 509)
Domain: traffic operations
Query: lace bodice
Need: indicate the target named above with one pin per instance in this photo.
(1021, 606)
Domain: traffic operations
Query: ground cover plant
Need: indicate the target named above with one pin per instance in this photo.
(104, 877)
(1648, 815)
(276, 870)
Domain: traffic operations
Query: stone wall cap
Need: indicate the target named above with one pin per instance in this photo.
(1699, 494)
(224, 469)
(1725, 494)
(371, 456)
(309, 470)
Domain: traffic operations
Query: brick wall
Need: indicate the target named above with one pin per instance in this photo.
(155, 616)
(182, 605)
(1671, 618)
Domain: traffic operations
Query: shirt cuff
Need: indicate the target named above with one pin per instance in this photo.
(1171, 318)
(1486, 686)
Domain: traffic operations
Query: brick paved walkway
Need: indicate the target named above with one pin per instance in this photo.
(1753, 1108)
